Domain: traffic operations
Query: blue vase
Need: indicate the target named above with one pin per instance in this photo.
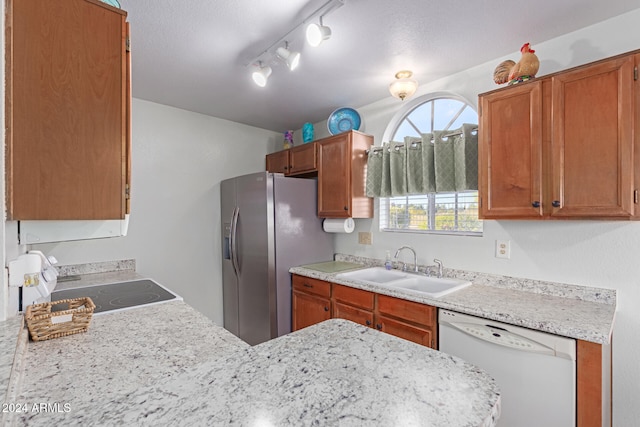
(307, 132)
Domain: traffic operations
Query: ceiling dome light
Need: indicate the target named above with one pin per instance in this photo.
(261, 75)
(404, 86)
(292, 59)
(317, 33)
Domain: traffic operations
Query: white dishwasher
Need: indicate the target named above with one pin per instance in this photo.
(535, 371)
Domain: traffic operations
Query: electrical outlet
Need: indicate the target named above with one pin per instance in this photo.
(364, 237)
(503, 249)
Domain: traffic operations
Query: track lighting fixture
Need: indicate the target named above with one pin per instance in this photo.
(292, 59)
(317, 33)
(261, 75)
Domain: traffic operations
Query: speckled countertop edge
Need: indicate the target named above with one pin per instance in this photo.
(10, 333)
(96, 267)
(547, 309)
(564, 290)
(332, 373)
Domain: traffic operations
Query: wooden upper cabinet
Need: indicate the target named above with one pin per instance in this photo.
(592, 140)
(562, 146)
(510, 154)
(299, 160)
(68, 110)
(303, 159)
(278, 162)
(342, 164)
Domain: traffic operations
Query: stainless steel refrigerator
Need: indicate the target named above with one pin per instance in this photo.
(269, 224)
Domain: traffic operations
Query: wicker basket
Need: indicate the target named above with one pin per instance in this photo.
(44, 324)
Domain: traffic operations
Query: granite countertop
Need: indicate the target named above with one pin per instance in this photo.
(169, 365)
(568, 310)
(9, 340)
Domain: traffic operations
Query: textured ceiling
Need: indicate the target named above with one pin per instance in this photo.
(193, 54)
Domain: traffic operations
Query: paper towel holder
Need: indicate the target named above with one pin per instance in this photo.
(338, 225)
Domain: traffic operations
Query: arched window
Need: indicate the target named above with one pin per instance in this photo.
(444, 213)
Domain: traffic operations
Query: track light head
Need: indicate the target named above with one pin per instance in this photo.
(292, 59)
(261, 75)
(317, 33)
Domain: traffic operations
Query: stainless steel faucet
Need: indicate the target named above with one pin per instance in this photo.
(404, 264)
(439, 264)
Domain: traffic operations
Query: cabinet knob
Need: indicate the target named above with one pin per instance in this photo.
(326, 309)
(555, 203)
(368, 322)
(535, 204)
(378, 326)
(346, 208)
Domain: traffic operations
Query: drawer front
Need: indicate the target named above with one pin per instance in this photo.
(358, 297)
(408, 332)
(407, 310)
(311, 286)
(348, 312)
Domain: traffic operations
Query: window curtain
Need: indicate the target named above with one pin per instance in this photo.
(442, 161)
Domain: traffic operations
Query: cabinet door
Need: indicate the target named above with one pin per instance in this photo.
(278, 162)
(407, 319)
(353, 304)
(592, 144)
(309, 309)
(68, 107)
(302, 159)
(417, 334)
(349, 312)
(334, 177)
(510, 153)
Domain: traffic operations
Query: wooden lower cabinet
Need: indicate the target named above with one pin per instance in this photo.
(409, 320)
(409, 332)
(593, 372)
(309, 310)
(311, 301)
(315, 301)
(353, 304)
(348, 312)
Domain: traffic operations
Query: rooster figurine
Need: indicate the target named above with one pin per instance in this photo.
(512, 72)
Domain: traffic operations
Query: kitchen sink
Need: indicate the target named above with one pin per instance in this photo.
(373, 275)
(432, 286)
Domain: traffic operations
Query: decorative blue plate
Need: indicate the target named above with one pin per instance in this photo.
(343, 120)
(113, 3)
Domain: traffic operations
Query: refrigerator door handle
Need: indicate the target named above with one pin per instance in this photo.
(232, 240)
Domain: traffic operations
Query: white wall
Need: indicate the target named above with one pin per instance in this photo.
(179, 159)
(593, 253)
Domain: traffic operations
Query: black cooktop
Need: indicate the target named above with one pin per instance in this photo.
(116, 296)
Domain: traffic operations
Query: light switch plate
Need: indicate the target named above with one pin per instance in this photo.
(503, 249)
(364, 237)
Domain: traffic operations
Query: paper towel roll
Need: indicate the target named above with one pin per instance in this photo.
(338, 225)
